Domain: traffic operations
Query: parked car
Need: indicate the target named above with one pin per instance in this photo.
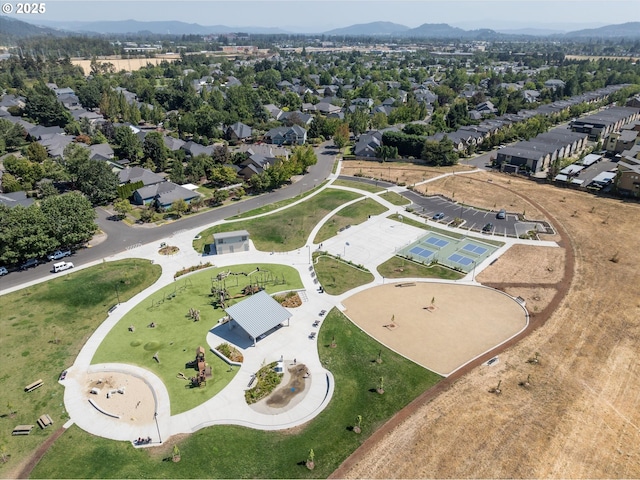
(502, 214)
(3, 271)
(61, 266)
(32, 262)
(58, 254)
(488, 227)
(438, 216)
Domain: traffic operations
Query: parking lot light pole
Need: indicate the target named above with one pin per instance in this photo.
(309, 248)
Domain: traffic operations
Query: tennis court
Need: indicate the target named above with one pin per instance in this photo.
(461, 254)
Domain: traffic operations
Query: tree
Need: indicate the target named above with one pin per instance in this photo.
(221, 175)
(36, 153)
(129, 146)
(147, 213)
(122, 206)
(155, 150)
(439, 153)
(47, 189)
(98, 182)
(358, 121)
(177, 172)
(179, 207)
(24, 233)
(70, 218)
(341, 136)
(10, 183)
(302, 158)
(386, 152)
(89, 95)
(43, 107)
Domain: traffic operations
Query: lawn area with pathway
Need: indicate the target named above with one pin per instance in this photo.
(238, 452)
(353, 214)
(367, 187)
(176, 336)
(398, 267)
(44, 326)
(395, 198)
(286, 230)
(336, 276)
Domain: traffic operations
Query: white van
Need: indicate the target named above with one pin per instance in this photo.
(59, 267)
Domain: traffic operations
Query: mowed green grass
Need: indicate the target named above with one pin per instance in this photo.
(336, 276)
(276, 205)
(286, 230)
(398, 267)
(176, 336)
(395, 198)
(350, 215)
(237, 452)
(43, 329)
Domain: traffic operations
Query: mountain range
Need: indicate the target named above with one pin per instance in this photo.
(17, 29)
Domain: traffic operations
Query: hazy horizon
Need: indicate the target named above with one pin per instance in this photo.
(316, 16)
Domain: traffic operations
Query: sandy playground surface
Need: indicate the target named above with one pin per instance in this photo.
(464, 322)
(135, 406)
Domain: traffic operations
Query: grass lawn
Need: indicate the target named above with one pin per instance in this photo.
(359, 185)
(336, 276)
(286, 230)
(395, 198)
(43, 329)
(398, 267)
(276, 205)
(237, 452)
(176, 336)
(353, 214)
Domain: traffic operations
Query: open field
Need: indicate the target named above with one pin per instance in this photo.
(128, 64)
(43, 329)
(579, 417)
(176, 336)
(544, 265)
(359, 185)
(238, 452)
(395, 198)
(397, 172)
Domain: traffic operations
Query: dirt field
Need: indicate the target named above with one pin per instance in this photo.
(580, 417)
(128, 64)
(526, 264)
(462, 323)
(475, 189)
(393, 172)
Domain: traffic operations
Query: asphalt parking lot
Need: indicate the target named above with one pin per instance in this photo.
(473, 218)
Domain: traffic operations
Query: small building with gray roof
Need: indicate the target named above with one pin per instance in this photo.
(230, 242)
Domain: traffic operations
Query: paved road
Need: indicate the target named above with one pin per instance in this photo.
(120, 236)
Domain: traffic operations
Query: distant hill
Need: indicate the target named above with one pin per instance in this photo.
(443, 30)
(159, 27)
(12, 30)
(629, 30)
(374, 28)
(535, 32)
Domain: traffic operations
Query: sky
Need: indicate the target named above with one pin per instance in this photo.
(311, 16)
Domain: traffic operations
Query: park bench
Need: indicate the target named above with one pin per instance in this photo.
(22, 430)
(44, 421)
(32, 386)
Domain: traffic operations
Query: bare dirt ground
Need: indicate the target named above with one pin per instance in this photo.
(526, 264)
(476, 189)
(136, 405)
(464, 321)
(128, 64)
(580, 417)
(395, 172)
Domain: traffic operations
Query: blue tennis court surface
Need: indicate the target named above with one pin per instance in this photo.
(422, 252)
(462, 260)
(436, 242)
(477, 249)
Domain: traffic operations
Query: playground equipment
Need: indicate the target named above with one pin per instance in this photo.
(204, 370)
(258, 281)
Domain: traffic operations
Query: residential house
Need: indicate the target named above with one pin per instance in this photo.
(101, 151)
(194, 149)
(173, 144)
(238, 132)
(296, 118)
(618, 142)
(163, 195)
(139, 174)
(15, 198)
(55, 144)
(367, 144)
(255, 165)
(294, 135)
